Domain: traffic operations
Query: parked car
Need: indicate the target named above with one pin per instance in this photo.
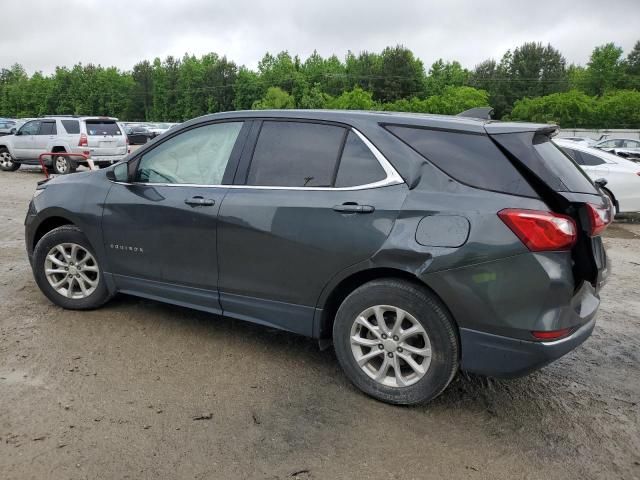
(412, 242)
(99, 137)
(7, 126)
(623, 147)
(158, 128)
(138, 134)
(622, 176)
(585, 140)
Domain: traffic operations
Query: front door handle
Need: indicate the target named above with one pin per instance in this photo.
(353, 208)
(199, 201)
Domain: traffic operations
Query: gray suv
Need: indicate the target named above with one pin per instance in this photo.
(418, 245)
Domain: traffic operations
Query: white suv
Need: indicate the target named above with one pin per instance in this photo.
(101, 138)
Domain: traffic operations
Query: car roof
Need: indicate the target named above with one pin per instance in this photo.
(448, 122)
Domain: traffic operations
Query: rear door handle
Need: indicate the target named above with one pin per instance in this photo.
(353, 208)
(199, 201)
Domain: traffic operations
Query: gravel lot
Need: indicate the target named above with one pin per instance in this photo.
(140, 389)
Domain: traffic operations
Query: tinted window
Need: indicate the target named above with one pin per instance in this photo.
(546, 161)
(30, 128)
(574, 154)
(471, 159)
(589, 159)
(102, 127)
(47, 128)
(358, 165)
(560, 172)
(294, 154)
(631, 144)
(198, 156)
(71, 126)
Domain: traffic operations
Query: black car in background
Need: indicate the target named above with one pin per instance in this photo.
(418, 244)
(138, 134)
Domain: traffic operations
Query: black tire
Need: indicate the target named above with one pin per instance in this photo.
(63, 165)
(432, 315)
(6, 162)
(62, 235)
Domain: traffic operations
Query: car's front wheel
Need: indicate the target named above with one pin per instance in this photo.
(67, 270)
(396, 342)
(6, 162)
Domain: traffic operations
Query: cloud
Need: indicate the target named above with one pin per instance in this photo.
(43, 34)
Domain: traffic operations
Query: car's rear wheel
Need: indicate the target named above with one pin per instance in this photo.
(6, 162)
(396, 342)
(63, 165)
(67, 270)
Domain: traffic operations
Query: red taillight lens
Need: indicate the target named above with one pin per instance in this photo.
(552, 334)
(541, 231)
(599, 217)
(83, 140)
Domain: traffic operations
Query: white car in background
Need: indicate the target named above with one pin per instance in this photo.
(622, 176)
(589, 142)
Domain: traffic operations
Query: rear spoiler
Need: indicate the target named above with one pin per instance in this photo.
(483, 113)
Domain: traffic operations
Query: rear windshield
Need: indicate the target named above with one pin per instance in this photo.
(547, 161)
(102, 127)
(471, 159)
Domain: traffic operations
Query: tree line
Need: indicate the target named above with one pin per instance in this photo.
(531, 82)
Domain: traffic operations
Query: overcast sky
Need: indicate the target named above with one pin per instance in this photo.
(40, 34)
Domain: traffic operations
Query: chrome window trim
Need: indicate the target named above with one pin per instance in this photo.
(392, 177)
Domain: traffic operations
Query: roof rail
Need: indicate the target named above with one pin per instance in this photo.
(483, 113)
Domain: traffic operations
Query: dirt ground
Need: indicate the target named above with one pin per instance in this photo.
(139, 389)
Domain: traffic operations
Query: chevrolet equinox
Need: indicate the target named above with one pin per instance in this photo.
(418, 244)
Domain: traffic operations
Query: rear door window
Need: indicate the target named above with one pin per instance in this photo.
(102, 127)
(296, 154)
(72, 127)
(471, 159)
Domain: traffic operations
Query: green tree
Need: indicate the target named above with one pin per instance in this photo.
(568, 109)
(356, 99)
(604, 70)
(442, 75)
(275, 98)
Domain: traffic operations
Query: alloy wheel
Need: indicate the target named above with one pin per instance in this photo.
(390, 346)
(5, 160)
(71, 270)
(62, 165)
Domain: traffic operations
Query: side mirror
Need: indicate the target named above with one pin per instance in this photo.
(120, 173)
(19, 132)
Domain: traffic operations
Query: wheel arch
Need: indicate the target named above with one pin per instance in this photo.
(332, 300)
(616, 204)
(48, 224)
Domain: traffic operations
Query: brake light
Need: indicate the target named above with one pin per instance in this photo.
(541, 231)
(551, 335)
(83, 140)
(599, 217)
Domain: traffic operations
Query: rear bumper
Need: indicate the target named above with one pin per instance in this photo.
(498, 356)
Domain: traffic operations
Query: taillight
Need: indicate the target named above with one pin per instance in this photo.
(599, 218)
(541, 231)
(83, 140)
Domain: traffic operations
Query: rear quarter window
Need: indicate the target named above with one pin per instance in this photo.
(471, 159)
(72, 127)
